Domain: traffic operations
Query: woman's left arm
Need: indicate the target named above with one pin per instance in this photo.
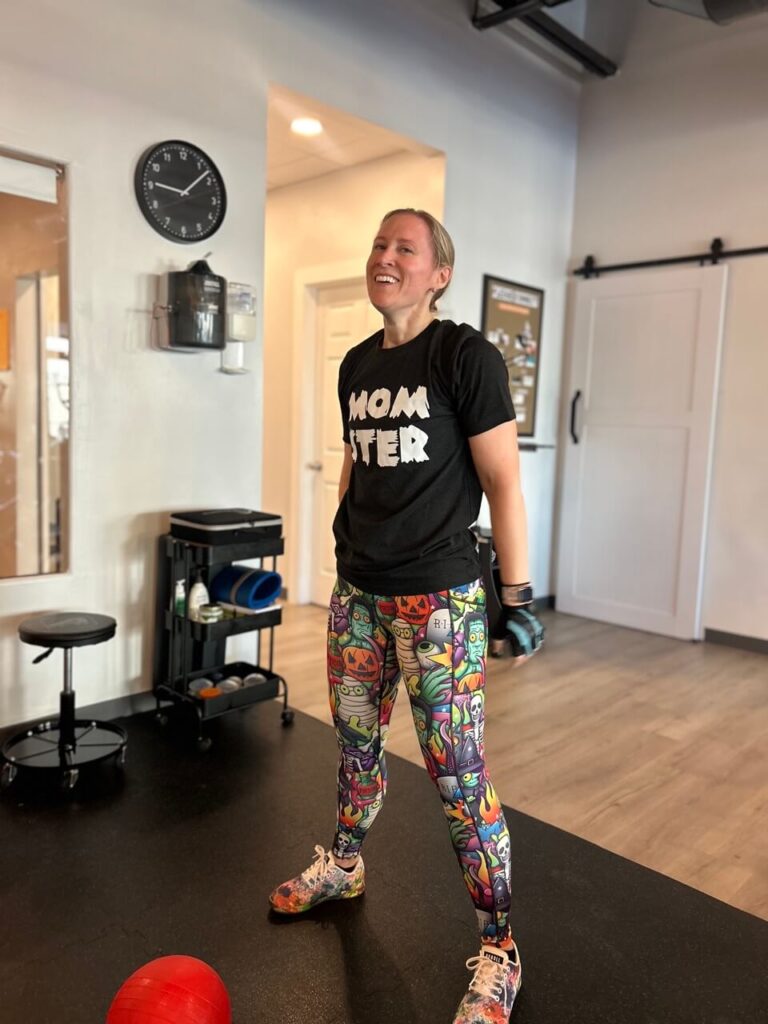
(497, 462)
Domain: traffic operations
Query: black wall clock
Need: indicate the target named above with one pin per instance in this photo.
(180, 191)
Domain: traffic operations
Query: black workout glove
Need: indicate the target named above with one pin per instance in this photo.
(519, 630)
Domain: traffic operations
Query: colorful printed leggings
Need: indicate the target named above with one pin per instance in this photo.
(438, 643)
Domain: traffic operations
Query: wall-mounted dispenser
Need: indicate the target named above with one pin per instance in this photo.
(241, 326)
(191, 309)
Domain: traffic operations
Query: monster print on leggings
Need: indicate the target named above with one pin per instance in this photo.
(437, 644)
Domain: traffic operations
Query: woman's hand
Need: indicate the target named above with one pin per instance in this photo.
(519, 631)
(522, 636)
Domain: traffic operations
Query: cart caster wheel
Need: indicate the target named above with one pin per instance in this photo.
(204, 743)
(8, 774)
(287, 716)
(69, 779)
(161, 718)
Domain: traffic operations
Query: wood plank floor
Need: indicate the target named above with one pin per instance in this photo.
(650, 747)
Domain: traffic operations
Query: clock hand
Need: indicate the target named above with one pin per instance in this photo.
(189, 188)
(159, 184)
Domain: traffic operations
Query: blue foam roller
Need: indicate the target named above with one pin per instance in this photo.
(249, 588)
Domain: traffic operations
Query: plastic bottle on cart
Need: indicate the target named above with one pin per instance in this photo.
(180, 597)
(198, 596)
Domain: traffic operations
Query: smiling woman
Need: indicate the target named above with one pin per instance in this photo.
(427, 425)
(34, 368)
(412, 256)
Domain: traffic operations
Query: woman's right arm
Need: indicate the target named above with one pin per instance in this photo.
(346, 472)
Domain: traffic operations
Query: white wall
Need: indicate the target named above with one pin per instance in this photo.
(672, 153)
(151, 431)
(91, 83)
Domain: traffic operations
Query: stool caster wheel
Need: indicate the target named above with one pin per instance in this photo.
(69, 779)
(287, 716)
(8, 774)
(204, 744)
(161, 718)
(122, 756)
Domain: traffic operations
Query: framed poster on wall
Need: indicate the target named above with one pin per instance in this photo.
(511, 321)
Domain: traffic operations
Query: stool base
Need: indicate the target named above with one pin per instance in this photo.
(40, 749)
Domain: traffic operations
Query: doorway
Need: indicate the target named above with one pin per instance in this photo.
(344, 316)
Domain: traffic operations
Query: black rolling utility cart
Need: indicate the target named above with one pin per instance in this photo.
(191, 669)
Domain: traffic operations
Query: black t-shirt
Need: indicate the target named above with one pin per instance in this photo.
(403, 525)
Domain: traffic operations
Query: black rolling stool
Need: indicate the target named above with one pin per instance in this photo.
(69, 744)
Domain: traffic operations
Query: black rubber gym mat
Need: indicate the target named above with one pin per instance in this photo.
(181, 858)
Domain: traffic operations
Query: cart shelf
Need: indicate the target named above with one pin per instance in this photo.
(188, 650)
(212, 707)
(245, 623)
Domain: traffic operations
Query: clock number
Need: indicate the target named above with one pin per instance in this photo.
(167, 157)
(155, 168)
(198, 227)
(167, 220)
(183, 154)
(183, 229)
(214, 200)
(150, 185)
(155, 204)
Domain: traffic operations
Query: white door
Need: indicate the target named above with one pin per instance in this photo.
(638, 453)
(344, 318)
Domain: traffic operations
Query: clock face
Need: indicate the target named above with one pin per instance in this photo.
(180, 191)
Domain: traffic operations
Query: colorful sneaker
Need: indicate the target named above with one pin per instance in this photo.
(322, 881)
(492, 990)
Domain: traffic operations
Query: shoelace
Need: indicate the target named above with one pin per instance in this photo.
(489, 978)
(316, 872)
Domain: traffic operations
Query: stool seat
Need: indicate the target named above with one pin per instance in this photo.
(67, 629)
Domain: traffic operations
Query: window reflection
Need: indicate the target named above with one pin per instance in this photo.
(34, 368)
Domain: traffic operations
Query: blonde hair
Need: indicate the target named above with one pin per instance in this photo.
(442, 244)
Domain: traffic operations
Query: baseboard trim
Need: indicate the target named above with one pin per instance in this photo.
(120, 707)
(104, 711)
(745, 643)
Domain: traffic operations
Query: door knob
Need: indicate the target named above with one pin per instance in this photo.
(574, 403)
(316, 466)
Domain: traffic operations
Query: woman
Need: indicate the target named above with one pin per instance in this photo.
(428, 426)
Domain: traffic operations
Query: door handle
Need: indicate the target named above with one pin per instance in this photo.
(574, 403)
(315, 466)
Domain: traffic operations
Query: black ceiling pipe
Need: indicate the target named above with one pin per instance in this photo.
(510, 9)
(530, 13)
(722, 12)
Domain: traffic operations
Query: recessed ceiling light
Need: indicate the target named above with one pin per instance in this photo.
(306, 126)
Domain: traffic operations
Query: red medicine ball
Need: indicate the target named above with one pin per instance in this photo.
(172, 990)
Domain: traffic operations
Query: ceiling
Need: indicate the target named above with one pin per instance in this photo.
(348, 140)
(345, 141)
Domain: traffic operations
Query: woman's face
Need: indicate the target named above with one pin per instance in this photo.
(401, 274)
